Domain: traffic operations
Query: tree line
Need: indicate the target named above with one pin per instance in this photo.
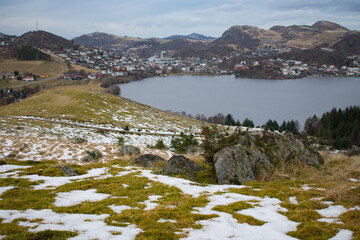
(339, 128)
(8, 95)
(272, 125)
(30, 53)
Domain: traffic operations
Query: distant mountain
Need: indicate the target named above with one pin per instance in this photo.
(44, 40)
(236, 38)
(99, 39)
(6, 37)
(350, 44)
(296, 36)
(193, 36)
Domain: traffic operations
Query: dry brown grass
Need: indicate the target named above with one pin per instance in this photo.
(88, 70)
(333, 176)
(54, 68)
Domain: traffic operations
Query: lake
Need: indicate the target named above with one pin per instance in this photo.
(256, 99)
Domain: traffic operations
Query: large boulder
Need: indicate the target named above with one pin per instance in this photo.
(260, 153)
(147, 160)
(180, 165)
(128, 150)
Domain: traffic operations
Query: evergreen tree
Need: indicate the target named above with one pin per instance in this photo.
(272, 125)
(341, 128)
(229, 120)
(248, 123)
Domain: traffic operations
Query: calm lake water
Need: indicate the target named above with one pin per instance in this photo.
(256, 99)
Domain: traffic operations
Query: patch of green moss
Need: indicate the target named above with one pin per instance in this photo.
(314, 230)
(25, 198)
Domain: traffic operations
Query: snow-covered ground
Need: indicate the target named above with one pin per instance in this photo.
(28, 141)
(225, 226)
(25, 140)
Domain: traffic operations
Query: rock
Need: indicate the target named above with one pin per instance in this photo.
(129, 150)
(11, 155)
(92, 156)
(69, 171)
(147, 160)
(78, 140)
(180, 165)
(262, 152)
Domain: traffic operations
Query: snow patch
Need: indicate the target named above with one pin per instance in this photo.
(343, 234)
(53, 182)
(166, 220)
(67, 199)
(293, 200)
(150, 204)
(119, 209)
(88, 226)
(332, 211)
(5, 168)
(4, 189)
(353, 180)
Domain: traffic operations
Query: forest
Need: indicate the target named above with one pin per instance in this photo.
(339, 128)
(30, 53)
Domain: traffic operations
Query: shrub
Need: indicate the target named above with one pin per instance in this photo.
(160, 144)
(113, 89)
(184, 143)
(121, 141)
(342, 143)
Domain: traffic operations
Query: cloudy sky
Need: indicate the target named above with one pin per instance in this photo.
(162, 18)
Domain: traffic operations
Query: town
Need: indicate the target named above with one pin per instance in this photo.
(119, 62)
(116, 63)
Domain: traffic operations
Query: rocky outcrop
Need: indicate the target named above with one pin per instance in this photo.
(147, 160)
(259, 153)
(180, 165)
(69, 171)
(129, 150)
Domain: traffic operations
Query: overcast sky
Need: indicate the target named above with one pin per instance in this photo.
(162, 18)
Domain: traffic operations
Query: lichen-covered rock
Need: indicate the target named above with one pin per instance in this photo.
(259, 153)
(69, 171)
(128, 150)
(180, 165)
(147, 160)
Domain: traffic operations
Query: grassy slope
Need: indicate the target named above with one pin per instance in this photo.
(86, 103)
(54, 69)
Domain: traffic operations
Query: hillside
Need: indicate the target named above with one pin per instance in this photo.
(99, 39)
(321, 33)
(193, 36)
(46, 186)
(44, 40)
(296, 36)
(52, 68)
(89, 105)
(349, 45)
(5, 37)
